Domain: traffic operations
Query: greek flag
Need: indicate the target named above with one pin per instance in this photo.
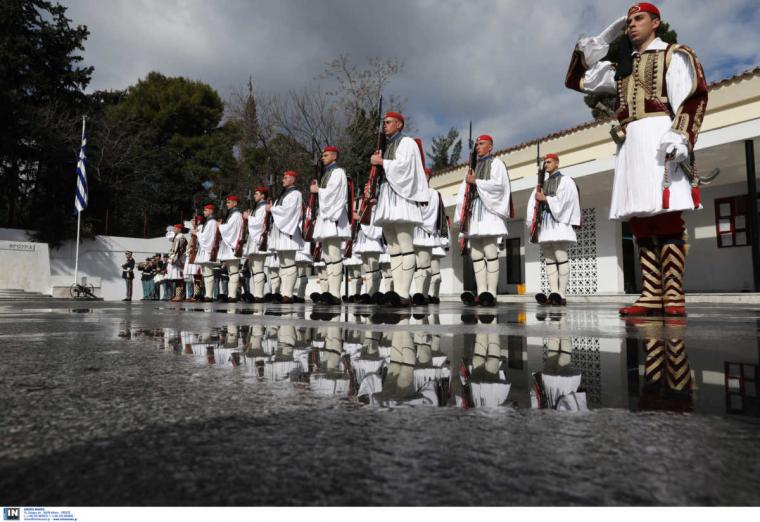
(80, 200)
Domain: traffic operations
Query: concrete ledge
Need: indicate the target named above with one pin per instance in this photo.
(717, 298)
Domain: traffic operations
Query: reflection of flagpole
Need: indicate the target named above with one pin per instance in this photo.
(79, 210)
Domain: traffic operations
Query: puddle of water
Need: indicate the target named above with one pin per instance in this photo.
(651, 371)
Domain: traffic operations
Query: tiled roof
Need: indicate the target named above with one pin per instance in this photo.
(745, 75)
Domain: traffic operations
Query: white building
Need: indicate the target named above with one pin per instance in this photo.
(722, 255)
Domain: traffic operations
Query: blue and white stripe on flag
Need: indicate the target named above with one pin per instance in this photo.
(80, 200)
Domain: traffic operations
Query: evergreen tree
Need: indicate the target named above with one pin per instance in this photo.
(445, 150)
(41, 87)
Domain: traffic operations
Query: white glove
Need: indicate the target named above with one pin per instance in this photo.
(614, 30)
(674, 145)
(677, 152)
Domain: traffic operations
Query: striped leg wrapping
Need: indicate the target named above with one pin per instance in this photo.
(651, 279)
(673, 263)
(654, 365)
(679, 372)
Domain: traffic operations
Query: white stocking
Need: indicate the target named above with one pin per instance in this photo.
(435, 277)
(287, 272)
(423, 273)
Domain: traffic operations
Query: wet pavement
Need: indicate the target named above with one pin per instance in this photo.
(178, 404)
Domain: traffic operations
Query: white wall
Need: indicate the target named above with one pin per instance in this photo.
(709, 268)
(609, 249)
(100, 261)
(24, 265)
(101, 258)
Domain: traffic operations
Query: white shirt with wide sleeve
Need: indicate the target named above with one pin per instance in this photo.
(231, 232)
(564, 213)
(206, 236)
(286, 231)
(490, 210)
(404, 186)
(332, 221)
(255, 228)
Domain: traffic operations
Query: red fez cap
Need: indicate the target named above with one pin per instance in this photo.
(644, 7)
(232, 198)
(331, 149)
(396, 115)
(179, 225)
(291, 173)
(198, 219)
(427, 170)
(262, 190)
(484, 137)
(209, 207)
(551, 155)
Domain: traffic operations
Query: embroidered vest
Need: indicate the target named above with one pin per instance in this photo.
(391, 147)
(552, 183)
(326, 175)
(483, 168)
(644, 92)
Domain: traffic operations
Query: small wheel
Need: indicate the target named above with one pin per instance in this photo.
(90, 290)
(74, 290)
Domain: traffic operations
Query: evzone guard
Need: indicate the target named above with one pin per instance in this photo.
(304, 261)
(662, 99)
(174, 274)
(256, 221)
(557, 210)
(332, 225)
(486, 208)
(402, 190)
(439, 252)
(426, 238)
(192, 272)
(231, 232)
(207, 245)
(286, 237)
(369, 246)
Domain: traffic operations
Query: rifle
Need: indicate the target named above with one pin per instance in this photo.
(441, 222)
(470, 195)
(538, 209)
(349, 247)
(310, 213)
(265, 229)
(370, 189)
(192, 249)
(316, 252)
(242, 239)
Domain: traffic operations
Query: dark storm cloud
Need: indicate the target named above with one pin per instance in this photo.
(499, 63)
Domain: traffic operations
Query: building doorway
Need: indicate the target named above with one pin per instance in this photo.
(630, 261)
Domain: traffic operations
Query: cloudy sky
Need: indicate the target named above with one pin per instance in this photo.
(499, 63)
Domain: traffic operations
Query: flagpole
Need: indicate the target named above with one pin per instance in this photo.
(79, 222)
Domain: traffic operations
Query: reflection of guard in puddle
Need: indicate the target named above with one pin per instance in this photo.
(556, 387)
(483, 378)
(668, 382)
(282, 366)
(329, 368)
(410, 372)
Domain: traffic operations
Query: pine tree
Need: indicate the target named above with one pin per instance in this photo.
(445, 150)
